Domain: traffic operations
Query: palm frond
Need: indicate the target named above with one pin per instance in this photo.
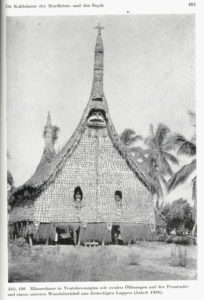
(163, 180)
(151, 165)
(151, 139)
(182, 175)
(151, 143)
(193, 139)
(187, 148)
(137, 152)
(128, 137)
(173, 141)
(194, 189)
(164, 166)
(184, 146)
(171, 157)
(177, 139)
(161, 133)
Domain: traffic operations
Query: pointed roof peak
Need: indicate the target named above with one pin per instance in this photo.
(48, 124)
(99, 27)
(97, 93)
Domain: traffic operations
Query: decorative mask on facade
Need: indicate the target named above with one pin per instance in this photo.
(96, 119)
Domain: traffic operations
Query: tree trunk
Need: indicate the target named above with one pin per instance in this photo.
(194, 217)
(194, 228)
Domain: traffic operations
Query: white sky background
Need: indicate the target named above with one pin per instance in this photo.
(149, 75)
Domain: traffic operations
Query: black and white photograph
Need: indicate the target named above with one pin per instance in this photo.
(101, 148)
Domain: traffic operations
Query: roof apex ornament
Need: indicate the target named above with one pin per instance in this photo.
(97, 86)
(48, 124)
(99, 27)
(49, 151)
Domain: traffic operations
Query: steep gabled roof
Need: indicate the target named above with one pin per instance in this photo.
(48, 168)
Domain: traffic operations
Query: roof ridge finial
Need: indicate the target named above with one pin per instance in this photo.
(48, 124)
(97, 86)
(99, 27)
(49, 150)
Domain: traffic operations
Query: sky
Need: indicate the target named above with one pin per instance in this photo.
(149, 77)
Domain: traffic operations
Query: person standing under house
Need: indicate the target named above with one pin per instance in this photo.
(118, 201)
(78, 195)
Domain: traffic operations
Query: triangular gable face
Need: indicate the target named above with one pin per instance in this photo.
(92, 179)
(99, 171)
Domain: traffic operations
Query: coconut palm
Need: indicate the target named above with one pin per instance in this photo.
(194, 197)
(184, 146)
(128, 137)
(188, 148)
(158, 158)
(179, 178)
(182, 175)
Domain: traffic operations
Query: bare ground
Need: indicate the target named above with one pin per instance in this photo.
(143, 261)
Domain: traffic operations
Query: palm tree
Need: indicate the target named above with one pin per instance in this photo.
(128, 137)
(158, 159)
(194, 197)
(188, 148)
(182, 175)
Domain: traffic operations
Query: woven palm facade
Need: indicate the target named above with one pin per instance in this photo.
(95, 160)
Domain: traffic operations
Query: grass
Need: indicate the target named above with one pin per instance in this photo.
(143, 261)
(178, 256)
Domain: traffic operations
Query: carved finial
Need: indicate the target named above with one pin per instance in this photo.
(99, 27)
(49, 150)
(48, 119)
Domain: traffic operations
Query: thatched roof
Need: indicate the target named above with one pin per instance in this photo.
(48, 168)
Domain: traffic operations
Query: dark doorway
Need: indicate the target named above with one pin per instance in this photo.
(65, 237)
(116, 236)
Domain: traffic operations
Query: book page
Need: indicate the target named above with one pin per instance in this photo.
(101, 117)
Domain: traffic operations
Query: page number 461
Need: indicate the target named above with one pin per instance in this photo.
(191, 4)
